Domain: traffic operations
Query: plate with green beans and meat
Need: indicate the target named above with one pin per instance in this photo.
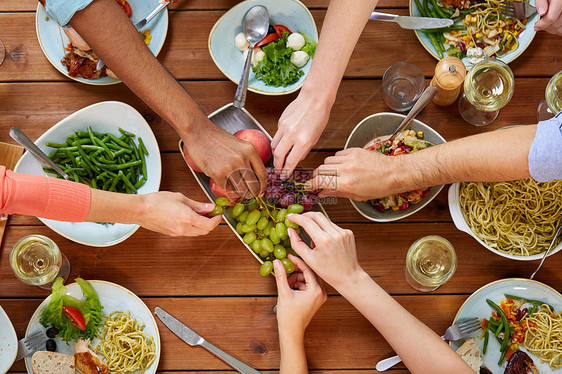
(107, 146)
(479, 31)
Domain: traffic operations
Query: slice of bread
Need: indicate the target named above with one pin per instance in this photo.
(43, 362)
(471, 354)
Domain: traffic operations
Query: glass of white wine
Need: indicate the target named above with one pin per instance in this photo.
(430, 262)
(36, 260)
(488, 87)
(551, 105)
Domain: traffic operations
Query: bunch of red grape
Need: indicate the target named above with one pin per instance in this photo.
(291, 191)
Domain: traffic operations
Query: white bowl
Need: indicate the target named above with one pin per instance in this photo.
(8, 342)
(462, 225)
(230, 61)
(385, 124)
(107, 116)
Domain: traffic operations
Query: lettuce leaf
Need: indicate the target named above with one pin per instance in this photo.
(276, 68)
(309, 45)
(90, 307)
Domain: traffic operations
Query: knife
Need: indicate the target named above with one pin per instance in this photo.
(190, 337)
(413, 23)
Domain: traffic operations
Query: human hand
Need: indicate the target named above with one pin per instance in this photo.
(174, 214)
(333, 257)
(299, 297)
(299, 129)
(360, 175)
(551, 16)
(231, 162)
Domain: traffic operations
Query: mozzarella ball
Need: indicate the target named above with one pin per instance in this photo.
(299, 58)
(241, 42)
(257, 56)
(295, 41)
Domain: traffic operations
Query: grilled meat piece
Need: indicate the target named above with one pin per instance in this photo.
(520, 363)
(461, 4)
(485, 370)
(82, 64)
(86, 361)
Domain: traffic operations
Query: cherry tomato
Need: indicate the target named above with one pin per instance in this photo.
(126, 7)
(280, 28)
(75, 317)
(268, 39)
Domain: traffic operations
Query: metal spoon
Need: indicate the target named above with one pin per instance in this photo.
(22, 139)
(424, 99)
(256, 24)
(548, 250)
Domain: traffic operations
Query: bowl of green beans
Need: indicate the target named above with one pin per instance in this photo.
(107, 146)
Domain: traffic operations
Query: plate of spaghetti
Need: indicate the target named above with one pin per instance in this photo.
(126, 319)
(533, 312)
(480, 30)
(516, 219)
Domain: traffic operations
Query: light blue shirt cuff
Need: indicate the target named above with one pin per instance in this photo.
(545, 156)
(63, 10)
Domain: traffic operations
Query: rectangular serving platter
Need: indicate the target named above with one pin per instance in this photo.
(231, 120)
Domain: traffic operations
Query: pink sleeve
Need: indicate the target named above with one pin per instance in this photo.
(45, 197)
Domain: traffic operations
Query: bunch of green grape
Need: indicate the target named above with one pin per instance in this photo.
(263, 228)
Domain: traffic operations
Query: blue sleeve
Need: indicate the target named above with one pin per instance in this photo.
(63, 10)
(545, 156)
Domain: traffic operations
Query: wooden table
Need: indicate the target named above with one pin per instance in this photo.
(212, 283)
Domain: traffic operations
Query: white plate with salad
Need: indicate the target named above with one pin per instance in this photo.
(112, 297)
(477, 306)
(284, 76)
(505, 39)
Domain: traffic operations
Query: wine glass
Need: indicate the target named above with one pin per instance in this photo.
(552, 102)
(488, 87)
(430, 262)
(37, 260)
(402, 84)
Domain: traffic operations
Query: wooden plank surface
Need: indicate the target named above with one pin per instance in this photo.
(186, 55)
(212, 283)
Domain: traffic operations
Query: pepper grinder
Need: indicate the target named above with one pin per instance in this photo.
(448, 78)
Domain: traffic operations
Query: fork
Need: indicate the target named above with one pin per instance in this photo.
(459, 330)
(30, 344)
(518, 10)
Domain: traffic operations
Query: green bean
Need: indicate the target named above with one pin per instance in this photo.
(502, 357)
(106, 161)
(436, 44)
(438, 9)
(114, 184)
(126, 133)
(505, 325)
(86, 158)
(498, 329)
(121, 166)
(140, 183)
(420, 8)
(55, 145)
(119, 141)
(143, 147)
(82, 134)
(104, 146)
(126, 181)
(530, 301)
(485, 347)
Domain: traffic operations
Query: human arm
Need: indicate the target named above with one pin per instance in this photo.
(334, 260)
(488, 157)
(303, 121)
(551, 16)
(299, 299)
(51, 198)
(215, 151)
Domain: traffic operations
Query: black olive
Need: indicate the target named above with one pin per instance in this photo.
(52, 332)
(51, 345)
(271, 30)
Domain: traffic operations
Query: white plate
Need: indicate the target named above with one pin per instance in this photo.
(525, 38)
(476, 306)
(106, 116)
(112, 297)
(8, 342)
(53, 40)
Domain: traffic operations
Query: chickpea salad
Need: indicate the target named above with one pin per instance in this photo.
(277, 59)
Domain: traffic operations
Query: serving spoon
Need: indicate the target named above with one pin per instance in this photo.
(547, 251)
(256, 25)
(28, 144)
